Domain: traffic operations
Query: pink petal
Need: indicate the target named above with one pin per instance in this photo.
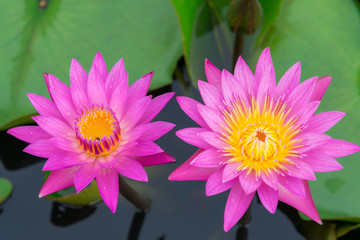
(77, 159)
(46, 78)
(293, 185)
(324, 121)
(107, 180)
(305, 205)
(107, 161)
(311, 140)
(62, 97)
(44, 106)
(96, 88)
(338, 148)
(140, 88)
(117, 78)
(270, 179)
(143, 148)
(210, 158)
(54, 162)
(29, 134)
(212, 118)
(85, 174)
(289, 81)
(100, 65)
(249, 182)
(211, 95)
(268, 197)
(155, 130)
(191, 136)
(131, 168)
(119, 100)
(65, 144)
(265, 69)
(155, 106)
(232, 88)
(243, 73)
(54, 126)
(236, 205)
(213, 74)
(215, 185)
(78, 83)
(189, 106)
(186, 172)
(307, 112)
(320, 88)
(300, 170)
(133, 134)
(230, 171)
(266, 85)
(321, 162)
(155, 159)
(42, 148)
(214, 139)
(301, 94)
(134, 113)
(125, 146)
(58, 180)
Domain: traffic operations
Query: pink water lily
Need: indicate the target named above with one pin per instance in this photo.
(98, 128)
(256, 136)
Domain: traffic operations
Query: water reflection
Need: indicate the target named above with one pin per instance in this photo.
(242, 233)
(64, 215)
(136, 225)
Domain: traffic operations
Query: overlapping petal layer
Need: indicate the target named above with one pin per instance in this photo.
(96, 129)
(259, 137)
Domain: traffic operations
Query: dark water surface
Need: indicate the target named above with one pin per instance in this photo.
(179, 210)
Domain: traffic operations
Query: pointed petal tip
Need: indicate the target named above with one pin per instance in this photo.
(113, 209)
(11, 131)
(45, 75)
(98, 54)
(227, 227)
(172, 177)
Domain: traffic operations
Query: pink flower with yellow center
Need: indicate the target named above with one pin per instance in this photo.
(256, 136)
(98, 128)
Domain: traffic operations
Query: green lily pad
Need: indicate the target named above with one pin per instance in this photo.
(87, 197)
(43, 36)
(325, 37)
(5, 189)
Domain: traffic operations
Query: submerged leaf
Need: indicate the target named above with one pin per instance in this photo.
(5, 189)
(86, 197)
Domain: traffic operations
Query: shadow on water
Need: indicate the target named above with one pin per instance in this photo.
(63, 215)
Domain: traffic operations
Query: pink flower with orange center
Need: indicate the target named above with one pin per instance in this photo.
(259, 137)
(98, 128)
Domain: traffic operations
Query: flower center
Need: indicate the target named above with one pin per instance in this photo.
(97, 131)
(260, 140)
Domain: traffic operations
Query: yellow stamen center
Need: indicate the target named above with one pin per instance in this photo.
(97, 131)
(260, 140)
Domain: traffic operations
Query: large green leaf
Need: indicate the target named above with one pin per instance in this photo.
(324, 35)
(205, 35)
(36, 40)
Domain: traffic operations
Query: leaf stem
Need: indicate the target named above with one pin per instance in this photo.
(133, 196)
(238, 48)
